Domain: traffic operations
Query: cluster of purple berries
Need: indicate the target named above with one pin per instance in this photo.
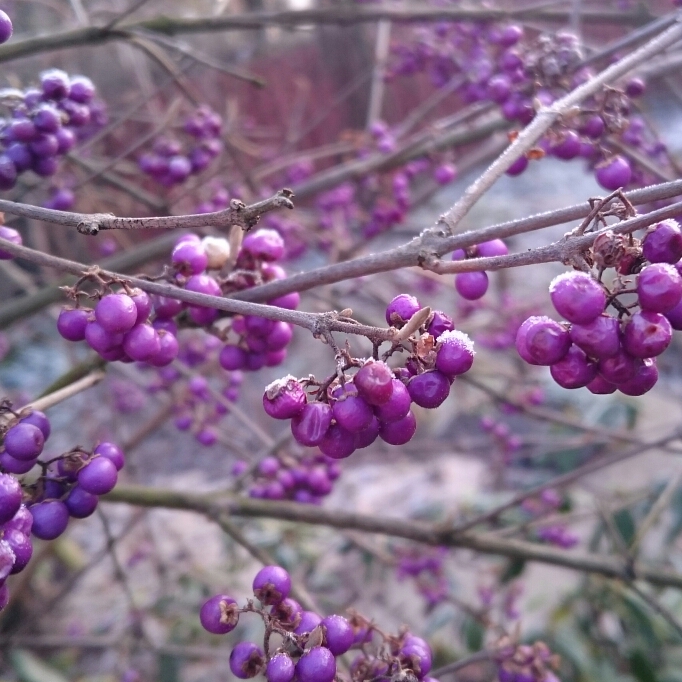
(375, 402)
(172, 163)
(69, 487)
(473, 285)
(426, 567)
(256, 342)
(596, 349)
(526, 663)
(310, 644)
(306, 480)
(506, 441)
(196, 407)
(45, 123)
(118, 329)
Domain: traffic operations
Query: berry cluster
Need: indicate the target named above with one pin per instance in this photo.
(502, 65)
(45, 123)
(68, 486)
(526, 663)
(473, 285)
(350, 412)
(426, 567)
(172, 163)
(307, 645)
(596, 349)
(306, 480)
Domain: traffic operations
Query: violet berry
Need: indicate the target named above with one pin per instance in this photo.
(663, 243)
(338, 635)
(471, 285)
(71, 323)
(246, 660)
(21, 547)
(454, 353)
(272, 585)
(50, 519)
(574, 370)
(577, 297)
(24, 441)
(98, 476)
(338, 443)
(647, 334)
(659, 287)
(644, 379)
(284, 398)
(309, 621)
(264, 244)
(398, 432)
(374, 381)
(351, 411)
(401, 309)
(397, 406)
(429, 389)
(310, 425)
(6, 28)
(219, 615)
(614, 173)
(8, 233)
(10, 497)
(116, 313)
(316, 665)
(112, 452)
(280, 668)
(542, 340)
(599, 338)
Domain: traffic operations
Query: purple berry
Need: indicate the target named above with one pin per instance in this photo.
(599, 338)
(365, 438)
(11, 235)
(577, 297)
(24, 442)
(246, 660)
(455, 353)
(614, 173)
(569, 146)
(219, 615)
(54, 83)
(189, 258)
(659, 287)
(417, 657)
(50, 519)
(645, 378)
(594, 127)
(471, 285)
(116, 313)
(271, 585)
(351, 412)
(663, 243)
(311, 424)
(165, 307)
(445, 173)
(288, 612)
(283, 398)
(542, 340)
(337, 443)
(168, 349)
(398, 404)
(374, 381)
(143, 303)
(635, 87)
(619, 368)
(401, 309)
(518, 166)
(647, 334)
(429, 389)
(21, 521)
(574, 370)
(10, 497)
(141, 342)
(7, 559)
(339, 634)
(21, 546)
(309, 621)
(98, 476)
(16, 466)
(675, 317)
(398, 432)
(264, 244)
(280, 668)
(232, 358)
(316, 665)
(80, 503)
(492, 249)
(440, 323)
(6, 28)
(81, 89)
(599, 386)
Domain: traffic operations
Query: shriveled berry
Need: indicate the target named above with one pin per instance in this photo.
(310, 425)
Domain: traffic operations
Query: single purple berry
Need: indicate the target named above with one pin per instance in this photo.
(309, 621)
(6, 28)
(416, 657)
(280, 668)
(429, 389)
(644, 379)
(21, 546)
(398, 432)
(264, 244)
(143, 303)
(577, 297)
(647, 334)
(11, 235)
(439, 324)
(54, 83)
(311, 424)
(574, 370)
(284, 398)
(599, 338)
(455, 353)
(351, 411)
(401, 309)
(98, 476)
(24, 442)
(81, 503)
(81, 89)
(116, 313)
(246, 660)
(518, 166)
(165, 307)
(599, 386)
(542, 340)
(316, 665)
(663, 243)
(635, 87)
(50, 519)
(16, 466)
(614, 173)
(659, 287)
(21, 521)
(339, 635)
(10, 497)
(491, 249)
(445, 173)
(471, 285)
(397, 406)
(593, 127)
(219, 615)
(568, 147)
(619, 368)
(374, 381)
(365, 438)
(189, 258)
(232, 358)
(39, 419)
(141, 342)
(168, 349)
(338, 443)
(271, 585)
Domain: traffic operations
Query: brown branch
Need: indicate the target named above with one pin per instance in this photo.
(417, 531)
(92, 223)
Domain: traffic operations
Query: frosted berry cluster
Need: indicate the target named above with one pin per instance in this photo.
(170, 162)
(351, 412)
(45, 123)
(304, 646)
(68, 486)
(603, 351)
(306, 480)
(473, 285)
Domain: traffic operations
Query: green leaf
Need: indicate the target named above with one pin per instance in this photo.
(641, 667)
(473, 633)
(625, 524)
(30, 668)
(513, 570)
